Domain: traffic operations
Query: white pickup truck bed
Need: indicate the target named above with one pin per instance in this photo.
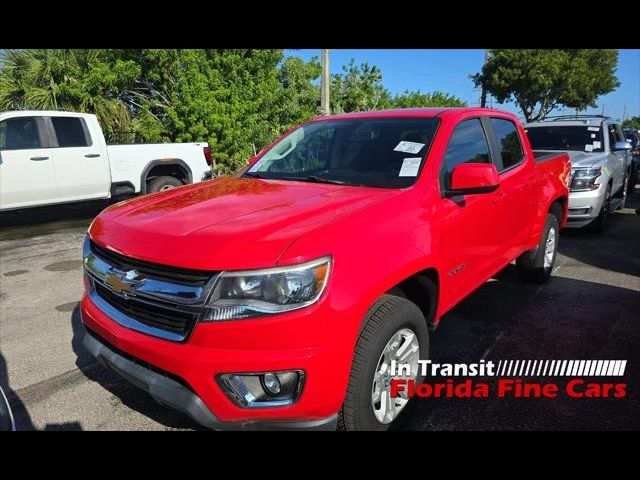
(125, 160)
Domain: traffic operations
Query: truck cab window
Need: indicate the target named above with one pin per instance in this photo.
(468, 144)
(70, 132)
(508, 141)
(19, 134)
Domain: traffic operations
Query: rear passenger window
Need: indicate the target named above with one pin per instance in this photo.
(467, 144)
(19, 134)
(508, 141)
(70, 132)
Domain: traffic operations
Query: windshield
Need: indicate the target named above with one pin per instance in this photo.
(555, 137)
(386, 153)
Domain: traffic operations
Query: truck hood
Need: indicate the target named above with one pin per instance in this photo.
(581, 159)
(227, 223)
(585, 159)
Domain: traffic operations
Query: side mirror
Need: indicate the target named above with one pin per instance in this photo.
(472, 178)
(622, 146)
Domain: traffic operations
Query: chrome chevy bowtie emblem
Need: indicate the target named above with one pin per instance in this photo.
(121, 282)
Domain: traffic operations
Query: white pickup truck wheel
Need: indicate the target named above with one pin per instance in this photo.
(163, 183)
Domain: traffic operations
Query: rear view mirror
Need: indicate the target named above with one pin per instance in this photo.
(473, 178)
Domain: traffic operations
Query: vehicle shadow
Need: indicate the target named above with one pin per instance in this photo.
(52, 213)
(617, 250)
(128, 394)
(21, 415)
(506, 319)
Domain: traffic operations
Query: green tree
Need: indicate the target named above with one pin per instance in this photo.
(417, 99)
(633, 122)
(358, 88)
(300, 94)
(539, 81)
(226, 97)
(82, 80)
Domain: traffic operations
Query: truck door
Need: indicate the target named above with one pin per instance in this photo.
(80, 161)
(27, 175)
(470, 226)
(515, 198)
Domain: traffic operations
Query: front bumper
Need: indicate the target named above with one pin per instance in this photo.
(234, 347)
(584, 207)
(174, 394)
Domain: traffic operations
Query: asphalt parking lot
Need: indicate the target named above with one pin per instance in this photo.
(590, 310)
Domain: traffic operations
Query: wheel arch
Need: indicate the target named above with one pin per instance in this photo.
(422, 288)
(163, 165)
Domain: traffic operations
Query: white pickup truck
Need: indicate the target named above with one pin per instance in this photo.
(58, 157)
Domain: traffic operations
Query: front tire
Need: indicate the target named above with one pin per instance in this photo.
(624, 193)
(536, 265)
(394, 328)
(599, 225)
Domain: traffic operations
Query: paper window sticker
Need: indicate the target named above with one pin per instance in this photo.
(588, 148)
(410, 167)
(408, 147)
(593, 129)
(593, 135)
(597, 144)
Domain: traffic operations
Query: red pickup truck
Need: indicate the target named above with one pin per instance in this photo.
(277, 297)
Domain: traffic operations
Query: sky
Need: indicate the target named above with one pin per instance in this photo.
(449, 70)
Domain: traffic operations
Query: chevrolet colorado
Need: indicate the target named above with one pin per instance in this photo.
(59, 157)
(277, 297)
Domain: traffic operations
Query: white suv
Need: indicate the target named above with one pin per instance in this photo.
(600, 164)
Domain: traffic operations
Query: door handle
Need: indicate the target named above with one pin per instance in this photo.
(38, 159)
(92, 155)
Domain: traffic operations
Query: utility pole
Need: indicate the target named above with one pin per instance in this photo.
(603, 109)
(325, 83)
(624, 114)
(483, 93)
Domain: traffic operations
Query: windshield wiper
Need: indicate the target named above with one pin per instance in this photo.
(316, 179)
(253, 174)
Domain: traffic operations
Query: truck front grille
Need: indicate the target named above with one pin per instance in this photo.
(158, 300)
(169, 319)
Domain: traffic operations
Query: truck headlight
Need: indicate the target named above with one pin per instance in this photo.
(584, 179)
(252, 293)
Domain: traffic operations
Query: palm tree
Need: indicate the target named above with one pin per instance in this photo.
(80, 80)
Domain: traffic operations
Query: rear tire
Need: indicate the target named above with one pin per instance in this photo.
(536, 265)
(391, 319)
(162, 183)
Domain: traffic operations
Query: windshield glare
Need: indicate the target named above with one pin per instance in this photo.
(386, 153)
(581, 138)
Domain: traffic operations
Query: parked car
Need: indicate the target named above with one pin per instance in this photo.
(600, 160)
(6, 416)
(633, 137)
(277, 297)
(57, 157)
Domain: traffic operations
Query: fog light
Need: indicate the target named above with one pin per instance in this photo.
(262, 390)
(271, 383)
